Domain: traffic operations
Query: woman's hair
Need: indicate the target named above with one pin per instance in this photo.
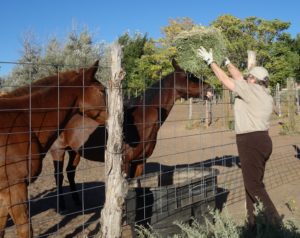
(264, 82)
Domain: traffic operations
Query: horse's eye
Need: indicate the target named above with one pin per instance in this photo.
(193, 78)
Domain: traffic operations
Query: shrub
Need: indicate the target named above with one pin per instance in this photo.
(222, 225)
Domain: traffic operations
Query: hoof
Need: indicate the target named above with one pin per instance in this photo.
(61, 206)
(76, 200)
(61, 210)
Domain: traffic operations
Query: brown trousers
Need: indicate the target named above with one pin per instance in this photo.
(254, 151)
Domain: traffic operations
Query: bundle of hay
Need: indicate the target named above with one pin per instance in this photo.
(188, 42)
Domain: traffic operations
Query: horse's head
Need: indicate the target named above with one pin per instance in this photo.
(92, 100)
(188, 85)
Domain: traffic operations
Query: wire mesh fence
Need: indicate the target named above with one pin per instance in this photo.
(186, 166)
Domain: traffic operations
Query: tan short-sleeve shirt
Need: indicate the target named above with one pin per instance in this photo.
(253, 107)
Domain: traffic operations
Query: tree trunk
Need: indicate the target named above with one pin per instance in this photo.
(116, 185)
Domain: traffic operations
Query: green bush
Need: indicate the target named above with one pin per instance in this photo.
(223, 226)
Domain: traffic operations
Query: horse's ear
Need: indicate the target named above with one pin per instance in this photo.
(175, 65)
(90, 72)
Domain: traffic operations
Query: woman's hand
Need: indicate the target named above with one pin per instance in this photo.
(205, 55)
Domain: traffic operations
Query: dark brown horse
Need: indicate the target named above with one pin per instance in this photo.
(143, 116)
(29, 125)
(146, 114)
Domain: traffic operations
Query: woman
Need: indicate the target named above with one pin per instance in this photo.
(252, 110)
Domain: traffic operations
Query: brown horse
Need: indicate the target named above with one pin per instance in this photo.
(77, 122)
(143, 116)
(29, 125)
(146, 114)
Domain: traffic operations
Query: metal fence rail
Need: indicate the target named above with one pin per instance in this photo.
(193, 165)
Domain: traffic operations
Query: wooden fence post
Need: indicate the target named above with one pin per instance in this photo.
(251, 59)
(208, 112)
(297, 98)
(291, 104)
(227, 108)
(190, 109)
(277, 100)
(116, 185)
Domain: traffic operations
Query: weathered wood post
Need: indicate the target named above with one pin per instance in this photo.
(251, 59)
(291, 104)
(297, 99)
(115, 184)
(227, 107)
(208, 112)
(190, 109)
(277, 100)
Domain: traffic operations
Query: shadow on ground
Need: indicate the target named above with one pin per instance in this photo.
(93, 195)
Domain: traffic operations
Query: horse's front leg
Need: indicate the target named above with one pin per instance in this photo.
(57, 153)
(129, 154)
(138, 165)
(19, 210)
(137, 168)
(74, 159)
(58, 163)
(133, 167)
(3, 212)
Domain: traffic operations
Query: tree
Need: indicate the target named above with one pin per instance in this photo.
(78, 51)
(155, 63)
(295, 45)
(133, 49)
(251, 33)
(238, 40)
(284, 62)
(1, 82)
(28, 67)
(266, 37)
(175, 27)
(54, 58)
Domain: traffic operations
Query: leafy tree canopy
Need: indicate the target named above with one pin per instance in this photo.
(35, 62)
(146, 59)
(275, 49)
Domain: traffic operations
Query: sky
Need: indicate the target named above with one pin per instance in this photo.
(108, 19)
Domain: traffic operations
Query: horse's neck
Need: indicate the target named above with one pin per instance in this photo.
(51, 106)
(167, 93)
(37, 98)
(40, 85)
(59, 102)
(163, 98)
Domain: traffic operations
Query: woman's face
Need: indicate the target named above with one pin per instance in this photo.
(250, 78)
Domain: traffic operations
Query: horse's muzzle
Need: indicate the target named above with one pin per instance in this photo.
(102, 117)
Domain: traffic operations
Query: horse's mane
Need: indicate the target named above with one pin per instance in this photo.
(40, 84)
(149, 94)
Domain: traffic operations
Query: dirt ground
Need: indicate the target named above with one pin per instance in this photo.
(179, 142)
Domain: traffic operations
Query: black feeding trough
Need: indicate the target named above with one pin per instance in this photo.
(158, 199)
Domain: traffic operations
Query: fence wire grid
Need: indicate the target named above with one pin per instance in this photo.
(194, 164)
